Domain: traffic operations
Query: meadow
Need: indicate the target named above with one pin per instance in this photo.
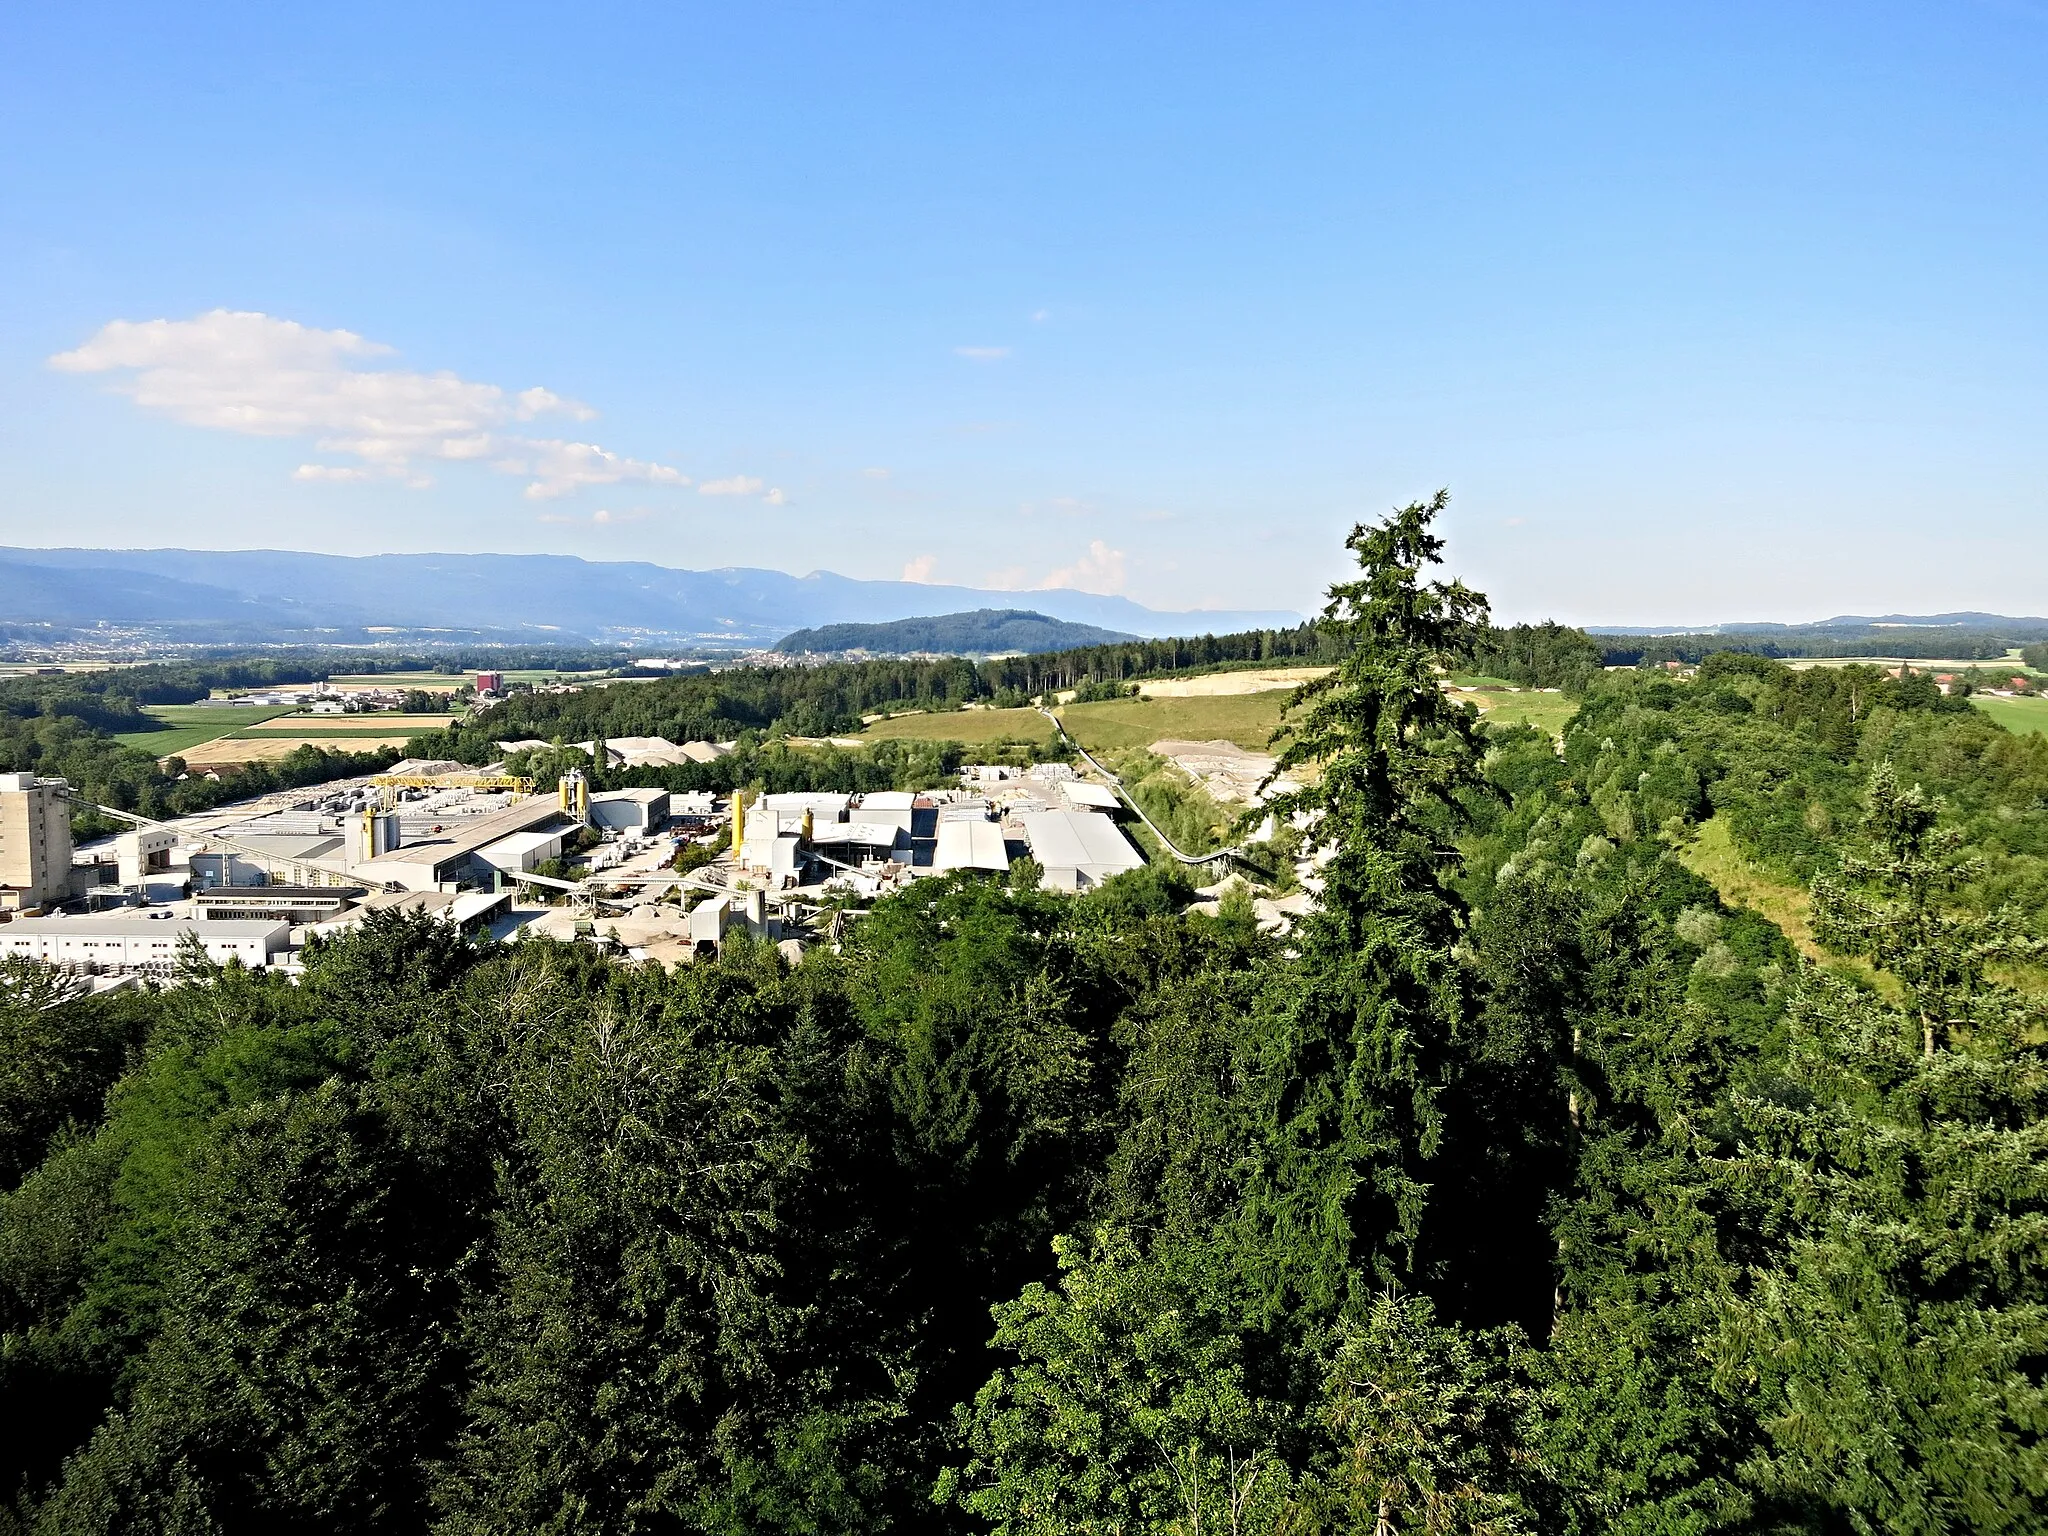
(2023, 717)
(191, 725)
(1248, 719)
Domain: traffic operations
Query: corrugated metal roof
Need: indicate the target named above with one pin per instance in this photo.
(970, 845)
(1079, 840)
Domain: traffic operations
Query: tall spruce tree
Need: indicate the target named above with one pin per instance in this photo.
(1356, 1045)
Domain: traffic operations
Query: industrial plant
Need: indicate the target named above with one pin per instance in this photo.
(645, 873)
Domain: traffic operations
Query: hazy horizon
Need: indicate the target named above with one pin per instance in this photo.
(1703, 318)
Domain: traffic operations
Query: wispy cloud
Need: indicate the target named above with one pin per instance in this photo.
(1101, 571)
(254, 374)
(982, 354)
(920, 570)
(1040, 316)
(732, 485)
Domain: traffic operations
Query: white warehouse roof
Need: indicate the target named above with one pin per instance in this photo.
(969, 844)
(1081, 841)
(1083, 796)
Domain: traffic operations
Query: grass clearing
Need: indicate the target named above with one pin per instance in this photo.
(191, 725)
(1712, 855)
(442, 681)
(354, 681)
(2023, 717)
(1248, 719)
(975, 727)
(1546, 711)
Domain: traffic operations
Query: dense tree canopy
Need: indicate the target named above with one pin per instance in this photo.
(1526, 1185)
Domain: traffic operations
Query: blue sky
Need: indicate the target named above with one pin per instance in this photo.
(1700, 312)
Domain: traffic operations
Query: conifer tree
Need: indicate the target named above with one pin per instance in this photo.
(1356, 1053)
(1890, 1193)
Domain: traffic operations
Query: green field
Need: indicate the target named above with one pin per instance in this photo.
(1545, 711)
(2020, 716)
(187, 725)
(976, 727)
(1245, 718)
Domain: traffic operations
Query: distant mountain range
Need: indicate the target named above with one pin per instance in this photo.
(259, 596)
(984, 632)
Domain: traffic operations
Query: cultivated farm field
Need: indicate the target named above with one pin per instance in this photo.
(349, 725)
(2020, 716)
(252, 749)
(188, 725)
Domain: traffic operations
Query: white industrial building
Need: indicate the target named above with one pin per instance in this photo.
(639, 811)
(140, 943)
(523, 852)
(1063, 824)
(263, 858)
(449, 857)
(970, 842)
(1078, 849)
(144, 851)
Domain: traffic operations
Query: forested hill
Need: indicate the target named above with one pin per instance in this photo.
(1942, 636)
(984, 632)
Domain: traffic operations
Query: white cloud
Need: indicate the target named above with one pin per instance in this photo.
(558, 468)
(254, 374)
(732, 485)
(775, 498)
(1101, 570)
(982, 354)
(920, 569)
(1040, 316)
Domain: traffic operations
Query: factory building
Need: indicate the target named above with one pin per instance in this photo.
(35, 842)
(793, 838)
(969, 841)
(144, 851)
(638, 811)
(449, 857)
(294, 904)
(523, 852)
(263, 858)
(1077, 849)
(148, 944)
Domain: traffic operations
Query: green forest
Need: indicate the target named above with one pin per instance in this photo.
(1525, 1186)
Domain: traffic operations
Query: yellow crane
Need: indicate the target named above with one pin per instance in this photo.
(388, 783)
